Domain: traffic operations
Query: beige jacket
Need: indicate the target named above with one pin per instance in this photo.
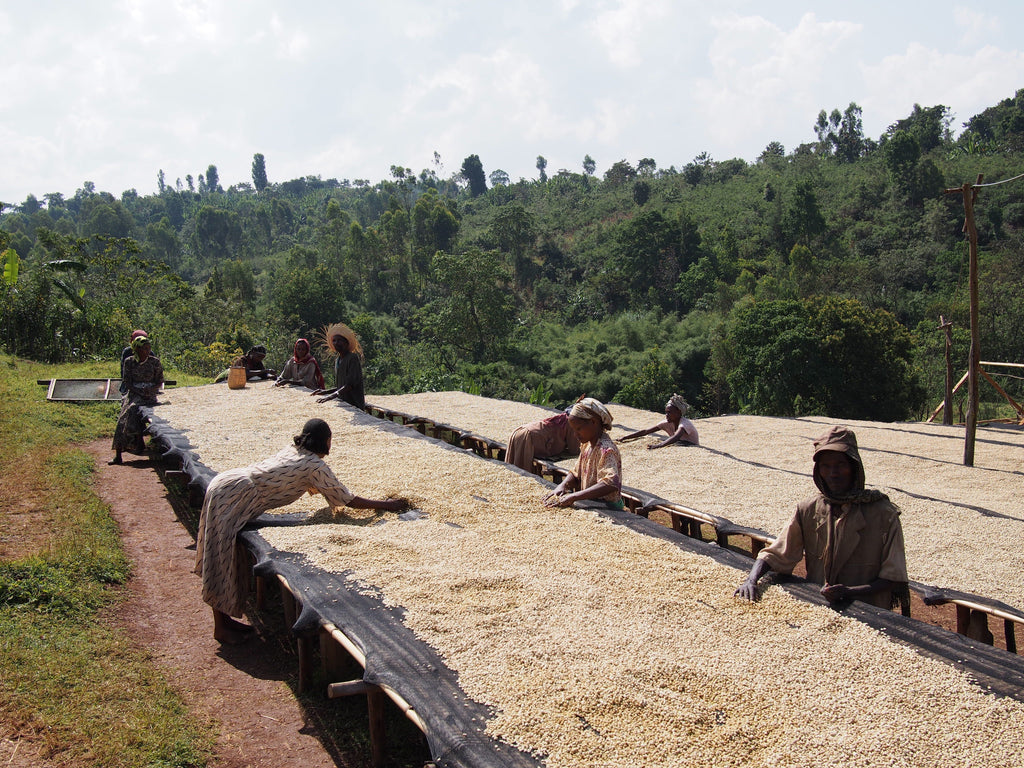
(850, 540)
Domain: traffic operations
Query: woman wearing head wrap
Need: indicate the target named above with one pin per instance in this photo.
(253, 363)
(341, 341)
(302, 368)
(238, 496)
(849, 537)
(678, 428)
(127, 351)
(598, 472)
(141, 379)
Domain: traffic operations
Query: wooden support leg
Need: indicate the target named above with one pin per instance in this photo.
(977, 628)
(722, 539)
(305, 648)
(261, 592)
(756, 545)
(963, 619)
(290, 606)
(1009, 632)
(375, 704)
(336, 662)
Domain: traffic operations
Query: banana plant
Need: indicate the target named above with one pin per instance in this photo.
(11, 264)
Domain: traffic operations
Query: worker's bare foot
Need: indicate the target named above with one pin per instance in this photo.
(231, 637)
(228, 630)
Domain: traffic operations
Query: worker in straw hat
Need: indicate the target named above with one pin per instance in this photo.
(678, 428)
(341, 341)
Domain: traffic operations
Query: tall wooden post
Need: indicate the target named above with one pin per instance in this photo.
(970, 195)
(947, 403)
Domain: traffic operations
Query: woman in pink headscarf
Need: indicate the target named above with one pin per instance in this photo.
(302, 369)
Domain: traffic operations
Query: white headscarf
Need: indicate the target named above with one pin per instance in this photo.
(677, 401)
(591, 409)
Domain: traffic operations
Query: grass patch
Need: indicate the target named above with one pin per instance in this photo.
(71, 676)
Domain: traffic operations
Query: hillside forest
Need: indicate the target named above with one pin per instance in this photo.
(808, 282)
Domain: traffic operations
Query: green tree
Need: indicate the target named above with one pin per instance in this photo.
(804, 219)
(474, 311)
(473, 172)
(212, 179)
(650, 387)
(641, 192)
(259, 172)
(542, 165)
(218, 232)
(498, 178)
(620, 173)
(831, 356)
(841, 135)
(589, 166)
(646, 167)
(514, 231)
(307, 295)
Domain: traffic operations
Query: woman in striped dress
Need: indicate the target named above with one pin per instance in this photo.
(238, 496)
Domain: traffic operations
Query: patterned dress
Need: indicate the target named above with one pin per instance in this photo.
(140, 384)
(237, 497)
(601, 463)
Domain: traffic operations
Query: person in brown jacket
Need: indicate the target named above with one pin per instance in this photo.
(850, 538)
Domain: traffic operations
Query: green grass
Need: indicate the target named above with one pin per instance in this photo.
(72, 676)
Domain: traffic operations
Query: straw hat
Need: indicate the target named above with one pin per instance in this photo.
(340, 329)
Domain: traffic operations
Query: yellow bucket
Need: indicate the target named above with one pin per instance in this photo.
(236, 377)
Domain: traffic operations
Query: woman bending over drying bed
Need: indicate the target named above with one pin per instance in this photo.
(678, 428)
(238, 496)
(597, 475)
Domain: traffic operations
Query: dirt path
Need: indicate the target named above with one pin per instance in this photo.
(243, 690)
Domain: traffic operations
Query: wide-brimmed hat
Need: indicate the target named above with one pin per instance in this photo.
(340, 329)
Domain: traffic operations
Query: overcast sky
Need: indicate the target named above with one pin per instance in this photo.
(112, 92)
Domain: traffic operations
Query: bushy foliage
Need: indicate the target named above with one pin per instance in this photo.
(560, 285)
(831, 357)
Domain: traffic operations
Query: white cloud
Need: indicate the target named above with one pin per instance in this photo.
(289, 44)
(920, 75)
(977, 27)
(623, 30)
(763, 75)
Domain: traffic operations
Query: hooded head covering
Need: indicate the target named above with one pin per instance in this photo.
(677, 401)
(340, 329)
(841, 440)
(314, 436)
(594, 410)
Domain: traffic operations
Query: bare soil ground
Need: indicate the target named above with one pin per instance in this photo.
(246, 692)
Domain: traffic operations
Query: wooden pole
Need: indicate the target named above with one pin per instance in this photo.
(970, 195)
(947, 403)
